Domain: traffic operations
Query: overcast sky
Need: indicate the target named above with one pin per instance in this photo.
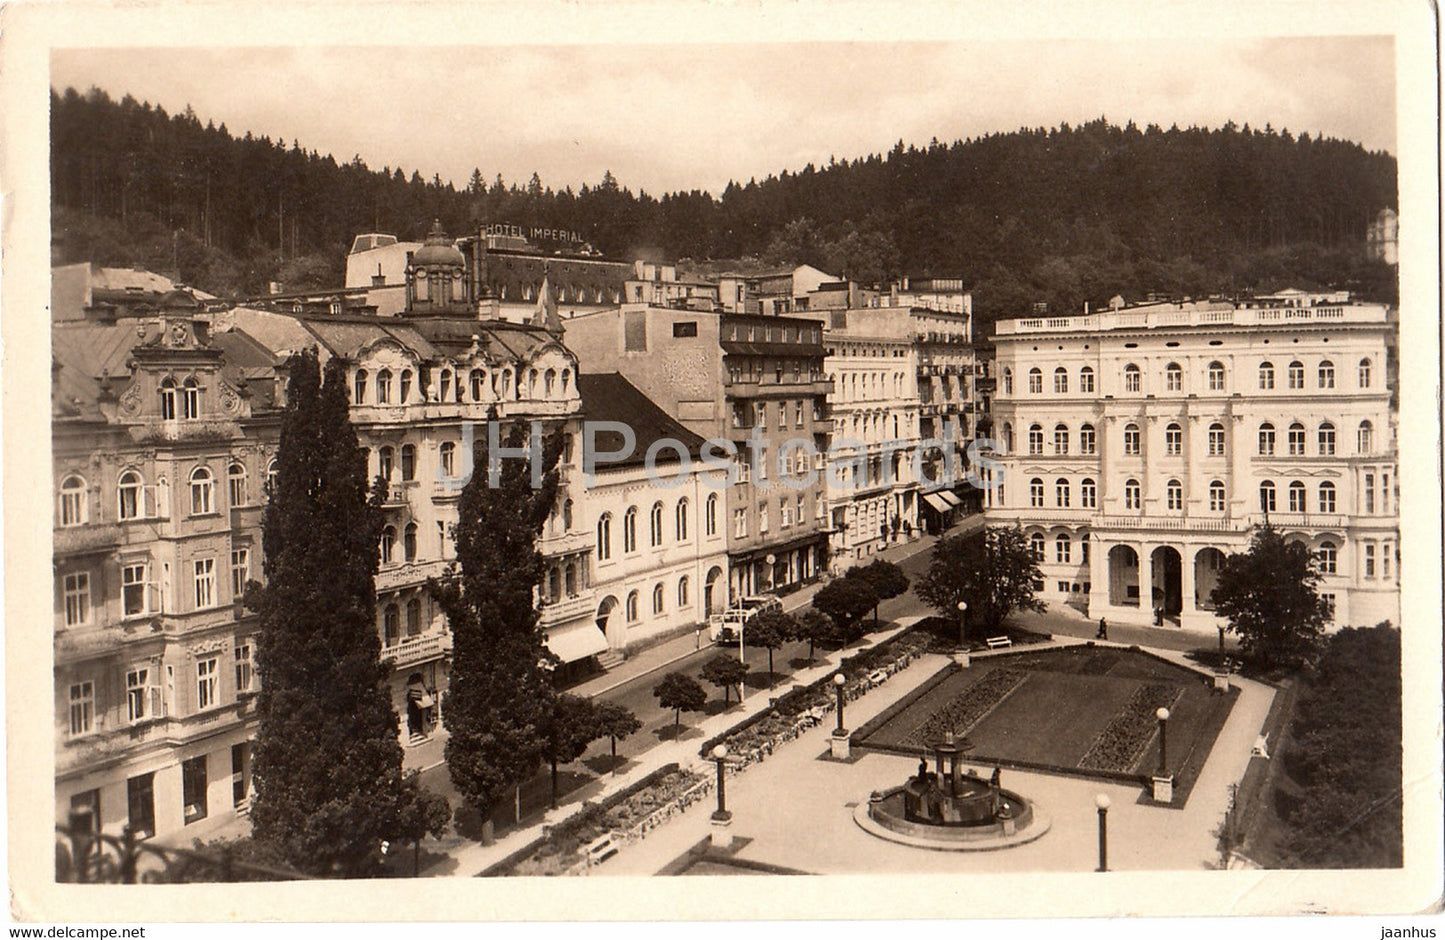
(664, 118)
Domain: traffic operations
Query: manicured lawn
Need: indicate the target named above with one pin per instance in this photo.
(1067, 701)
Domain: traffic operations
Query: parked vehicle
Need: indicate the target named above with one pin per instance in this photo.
(725, 627)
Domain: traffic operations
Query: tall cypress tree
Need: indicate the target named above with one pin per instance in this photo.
(327, 758)
(501, 695)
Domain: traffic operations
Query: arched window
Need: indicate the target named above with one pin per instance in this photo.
(1088, 440)
(1036, 439)
(168, 399)
(566, 378)
(1266, 496)
(549, 382)
(1008, 437)
(632, 607)
(408, 542)
(1131, 494)
(131, 491)
(1061, 439)
(1327, 374)
(358, 388)
(1063, 549)
(1008, 381)
(1174, 495)
(391, 625)
(203, 492)
(272, 474)
(444, 385)
(383, 387)
(408, 461)
(1061, 381)
(1131, 440)
(1364, 373)
(413, 616)
(1036, 381)
(1327, 439)
(1173, 440)
(477, 383)
(1328, 556)
(1296, 439)
(1132, 380)
(1216, 376)
(682, 592)
(1266, 375)
(711, 515)
(74, 507)
(566, 515)
(404, 395)
(569, 579)
(236, 485)
(449, 459)
(1216, 440)
(657, 598)
(1266, 440)
(1088, 493)
(388, 544)
(682, 509)
(1216, 496)
(1173, 378)
(1086, 380)
(604, 537)
(1365, 438)
(1036, 492)
(1036, 546)
(629, 530)
(1061, 493)
(506, 382)
(1327, 496)
(190, 400)
(655, 525)
(1296, 374)
(1296, 496)
(386, 458)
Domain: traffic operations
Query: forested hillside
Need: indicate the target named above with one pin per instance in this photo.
(1063, 215)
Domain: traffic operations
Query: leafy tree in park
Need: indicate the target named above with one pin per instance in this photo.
(501, 693)
(681, 693)
(887, 579)
(725, 672)
(571, 726)
(1268, 594)
(616, 722)
(845, 601)
(993, 571)
(420, 813)
(327, 759)
(814, 626)
(769, 630)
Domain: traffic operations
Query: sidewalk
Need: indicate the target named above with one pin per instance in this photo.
(664, 654)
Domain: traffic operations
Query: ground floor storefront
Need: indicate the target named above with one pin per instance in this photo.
(777, 569)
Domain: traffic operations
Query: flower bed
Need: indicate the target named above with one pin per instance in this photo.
(1122, 742)
(967, 708)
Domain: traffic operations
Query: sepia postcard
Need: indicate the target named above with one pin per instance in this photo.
(923, 460)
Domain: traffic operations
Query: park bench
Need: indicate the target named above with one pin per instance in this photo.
(998, 642)
(600, 849)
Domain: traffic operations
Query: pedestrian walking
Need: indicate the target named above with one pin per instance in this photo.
(1103, 633)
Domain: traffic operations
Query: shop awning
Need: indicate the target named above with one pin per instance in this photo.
(938, 503)
(949, 498)
(576, 641)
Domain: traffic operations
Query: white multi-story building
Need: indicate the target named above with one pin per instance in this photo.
(1145, 443)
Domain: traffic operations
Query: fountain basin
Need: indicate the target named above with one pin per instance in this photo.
(886, 816)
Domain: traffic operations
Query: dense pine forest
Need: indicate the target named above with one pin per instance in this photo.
(1063, 215)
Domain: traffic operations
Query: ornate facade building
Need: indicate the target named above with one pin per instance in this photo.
(1144, 443)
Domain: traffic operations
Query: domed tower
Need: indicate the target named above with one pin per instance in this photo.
(436, 282)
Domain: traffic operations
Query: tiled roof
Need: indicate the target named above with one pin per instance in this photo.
(610, 397)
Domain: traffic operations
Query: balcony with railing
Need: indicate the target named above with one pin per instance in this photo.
(86, 539)
(1172, 316)
(407, 574)
(418, 649)
(567, 609)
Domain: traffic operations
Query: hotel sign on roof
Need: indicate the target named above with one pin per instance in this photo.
(536, 234)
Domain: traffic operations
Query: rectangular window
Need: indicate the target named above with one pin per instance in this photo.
(762, 517)
(1369, 492)
(1385, 560)
(1088, 495)
(205, 581)
(138, 694)
(1087, 440)
(82, 708)
(1385, 493)
(244, 671)
(240, 774)
(135, 589)
(1327, 442)
(1063, 586)
(1131, 441)
(1369, 559)
(1061, 441)
(77, 598)
(87, 806)
(798, 414)
(684, 329)
(1216, 442)
(740, 523)
(240, 571)
(206, 691)
(140, 793)
(193, 789)
(785, 513)
(1329, 602)
(1296, 442)
(1086, 381)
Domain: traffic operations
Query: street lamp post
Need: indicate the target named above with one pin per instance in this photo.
(722, 820)
(840, 742)
(1102, 801)
(1221, 643)
(1163, 715)
(962, 624)
(839, 681)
